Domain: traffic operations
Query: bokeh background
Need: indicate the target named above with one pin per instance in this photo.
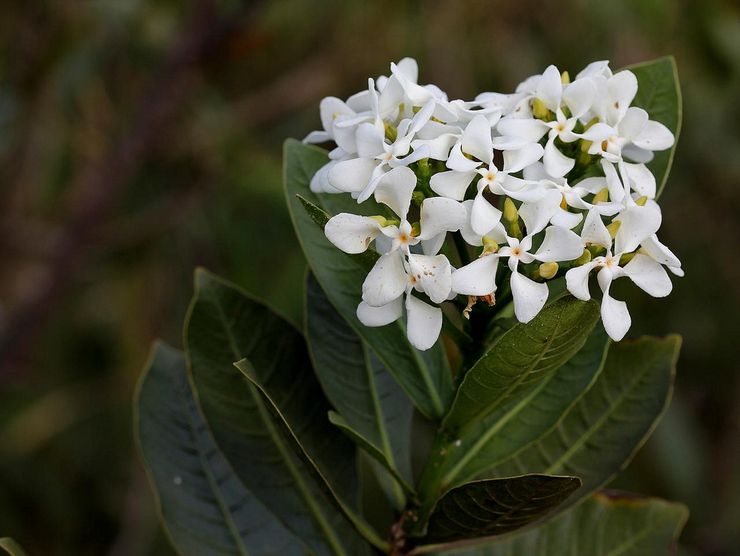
(140, 138)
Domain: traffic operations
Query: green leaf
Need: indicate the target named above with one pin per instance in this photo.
(11, 547)
(606, 524)
(497, 506)
(521, 421)
(203, 504)
(424, 376)
(659, 93)
(522, 358)
(372, 450)
(374, 410)
(297, 406)
(601, 433)
(225, 325)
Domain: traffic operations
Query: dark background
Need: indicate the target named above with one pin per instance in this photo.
(139, 138)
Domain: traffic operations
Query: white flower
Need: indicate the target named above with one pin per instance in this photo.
(558, 244)
(377, 155)
(637, 225)
(476, 141)
(577, 97)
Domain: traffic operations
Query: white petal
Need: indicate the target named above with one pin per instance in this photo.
(550, 88)
(598, 132)
(451, 184)
(622, 88)
(559, 244)
(529, 297)
(537, 215)
(521, 190)
(556, 163)
(649, 275)
(395, 189)
(476, 278)
(600, 68)
(386, 281)
(350, 232)
(409, 68)
(566, 219)
(433, 245)
(317, 137)
(615, 185)
(594, 230)
(380, 316)
(439, 214)
(636, 154)
(637, 224)
(653, 247)
(433, 275)
(615, 316)
(484, 216)
(641, 179)
(654, 137)
(459, 162)
(525, 128)
(352, 176)
(424, 323)
(578, 96)
(369, 138)
(633, 122)
(439, 147)
(331, 108)
(476, 139)
(521, 158)
(576, 280)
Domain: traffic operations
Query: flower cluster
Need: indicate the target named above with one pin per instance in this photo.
(546, 181)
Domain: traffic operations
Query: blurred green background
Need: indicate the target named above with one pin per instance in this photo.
(140, 138)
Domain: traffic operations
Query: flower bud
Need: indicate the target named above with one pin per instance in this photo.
(565, 77)
(548, 270)
(614, 228)
(539, 110)
(601, 197)
(489, 245)
(583, 259)
(391, 133)
(510, 212)
(511, 216)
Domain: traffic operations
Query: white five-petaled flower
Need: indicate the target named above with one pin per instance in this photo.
(637, 225)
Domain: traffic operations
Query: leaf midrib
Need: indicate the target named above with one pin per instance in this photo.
(490, 409)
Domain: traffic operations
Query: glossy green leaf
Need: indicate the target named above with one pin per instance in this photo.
(523, 420)
(497, 506)
(424, 376)
(225, 325)
(203, 504)
(600, 434)
(659, 93)
(372, 406)
(606, 524)
(11, 547)
(522, 358)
